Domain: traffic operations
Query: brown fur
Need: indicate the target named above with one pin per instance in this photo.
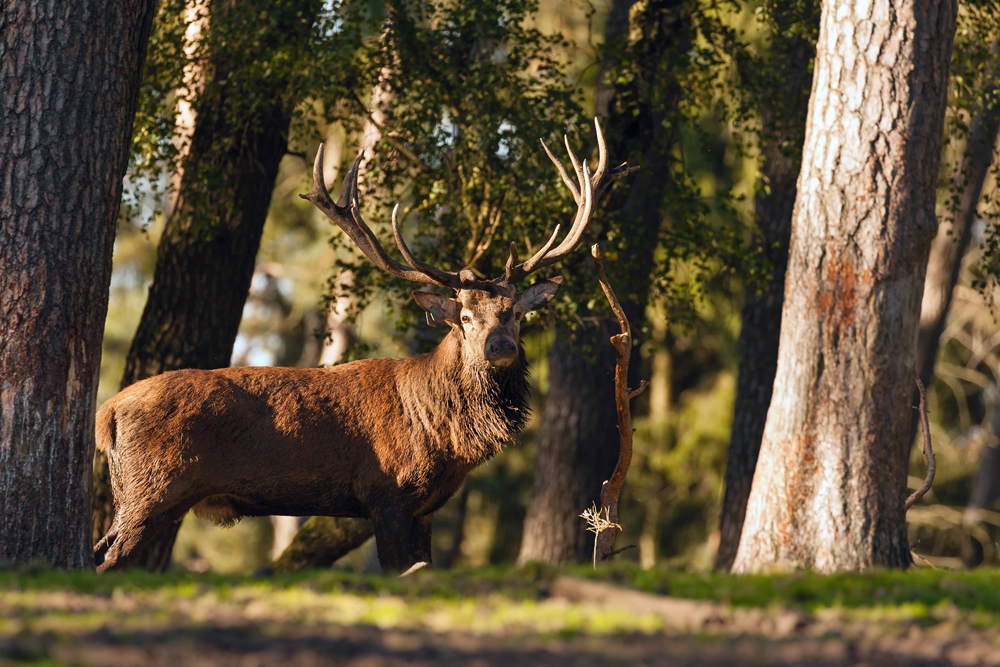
(389, 439)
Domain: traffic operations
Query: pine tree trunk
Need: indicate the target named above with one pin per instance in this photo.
(782, 104)
(69, 98)
(206, 255)
(757, 350)
(831, 480)
(577, 449)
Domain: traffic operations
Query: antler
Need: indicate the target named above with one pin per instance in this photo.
(586, 191)
(346, 214)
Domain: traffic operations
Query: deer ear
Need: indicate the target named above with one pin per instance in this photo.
(539, 294)
(439, 308)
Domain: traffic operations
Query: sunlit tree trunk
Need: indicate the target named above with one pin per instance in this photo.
(68, 103)
(831, 479)
(206, 255)
(782, 109)
(758, 350)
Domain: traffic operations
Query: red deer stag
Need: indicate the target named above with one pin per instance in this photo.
(389, 439)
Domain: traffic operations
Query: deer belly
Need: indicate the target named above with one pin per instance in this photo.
(225, 509)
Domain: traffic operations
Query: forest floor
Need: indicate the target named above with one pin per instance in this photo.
(500, 616)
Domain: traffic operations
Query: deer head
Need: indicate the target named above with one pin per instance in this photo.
(486, 314)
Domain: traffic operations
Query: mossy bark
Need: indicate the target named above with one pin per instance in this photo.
(322, 541)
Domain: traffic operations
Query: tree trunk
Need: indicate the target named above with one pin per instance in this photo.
(782, 107)
(578, 438)
(984, 485)
(206, 255)
(322, 541)
(70, 77)
(831, 480)
(577, 448)
(757, 350)
(953, 240)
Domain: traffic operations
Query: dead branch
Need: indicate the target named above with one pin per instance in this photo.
(604, 541)
(928, 452)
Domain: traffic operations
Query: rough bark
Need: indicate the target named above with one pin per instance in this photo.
(783, 114)
(578, 438)
(70, 77)
(575, 453)
(830, 484)
(757, 351)
(206, 255)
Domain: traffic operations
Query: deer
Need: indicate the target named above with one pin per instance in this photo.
(390, 440)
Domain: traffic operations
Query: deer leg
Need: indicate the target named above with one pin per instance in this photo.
(105, 543)
(393, 531)
(132, 536)
(420, 539)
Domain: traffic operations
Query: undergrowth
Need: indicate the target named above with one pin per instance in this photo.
(973, 591)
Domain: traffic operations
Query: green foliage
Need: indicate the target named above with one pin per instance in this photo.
(974, 77)
(463, 94)
(237, 66)
(467, 90)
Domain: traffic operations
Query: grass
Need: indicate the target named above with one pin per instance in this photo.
(69, 609)
(969, 591)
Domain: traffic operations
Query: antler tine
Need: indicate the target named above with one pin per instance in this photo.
(590, 188)
(602, 153)
(511, 261)
(349, 188)
(576, 165)
(561, 168)
(346, 214)
(440, 277)
(529, 266)
(575, 235)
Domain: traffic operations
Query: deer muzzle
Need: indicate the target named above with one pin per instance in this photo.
(501, 351)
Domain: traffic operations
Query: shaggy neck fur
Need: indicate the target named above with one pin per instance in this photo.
(467, 403)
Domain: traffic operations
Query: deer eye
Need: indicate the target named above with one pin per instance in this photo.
(466, 319)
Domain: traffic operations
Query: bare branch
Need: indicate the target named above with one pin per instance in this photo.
(638, 390)
(928, 452)
(604, 542)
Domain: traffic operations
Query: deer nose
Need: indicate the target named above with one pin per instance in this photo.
(502, 347)
(501, 352)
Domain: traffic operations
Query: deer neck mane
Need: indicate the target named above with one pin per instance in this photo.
(478, 408)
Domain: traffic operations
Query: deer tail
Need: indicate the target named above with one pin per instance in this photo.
(106, 432)
(106, 429)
